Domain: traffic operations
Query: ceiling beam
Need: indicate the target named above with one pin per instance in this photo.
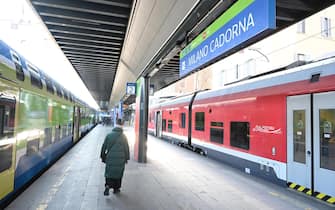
(86, 44)
(59, 35)
(85, 32)
(81, 16)
(87, 7)
(91, 58)
(83, 25)
(81, 49)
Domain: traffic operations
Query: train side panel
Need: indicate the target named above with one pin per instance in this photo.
(175, 123)
(37, 118)
(246, 124)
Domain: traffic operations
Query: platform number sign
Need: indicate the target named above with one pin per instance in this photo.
(131, 88)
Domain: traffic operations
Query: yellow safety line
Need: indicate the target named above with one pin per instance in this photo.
(331, 200)
(309, 192)
(293, 185)
(321, 195)
(301, 188)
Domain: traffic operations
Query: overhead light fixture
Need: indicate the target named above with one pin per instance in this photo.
(154, 71)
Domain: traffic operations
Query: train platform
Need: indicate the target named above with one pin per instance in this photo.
(173, 178)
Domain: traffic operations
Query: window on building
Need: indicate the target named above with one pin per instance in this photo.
(239, 135)
(200, 121)
(169, 125)
(164, 125)
(222, 78)
(216, 132)
(182, 120)
(301, 27)
(325, 27)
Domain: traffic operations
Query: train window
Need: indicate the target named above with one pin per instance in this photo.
(70, 128)
(164, 124)
(18, 67)
(217, 124)
(169, 125)
(66, 95)
(57, 133)
(35, 77)
(216, 132)
(200, 121)
(327, 138)
(239, 134)
(7, 116)
(64, 131)
(182, 120)
(299, 137)
(59, 91)
(33, 146)
(47, 136)
(5, 156)
(50, 86)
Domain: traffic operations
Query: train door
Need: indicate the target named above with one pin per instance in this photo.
(299, 162)
(158, 124)
(7, 144)
(311, 159)
(76, 123)
(324, 142)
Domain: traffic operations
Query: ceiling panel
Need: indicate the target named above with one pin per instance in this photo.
(91, 35)
(112, 42)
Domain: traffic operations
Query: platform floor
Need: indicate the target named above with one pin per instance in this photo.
(174, 178)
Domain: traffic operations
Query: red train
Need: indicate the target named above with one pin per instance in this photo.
(278, 126)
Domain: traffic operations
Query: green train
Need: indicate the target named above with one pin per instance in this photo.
(39, 121)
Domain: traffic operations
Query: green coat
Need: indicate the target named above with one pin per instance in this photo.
(115, 152)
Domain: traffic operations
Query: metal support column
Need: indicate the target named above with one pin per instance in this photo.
(141, 122)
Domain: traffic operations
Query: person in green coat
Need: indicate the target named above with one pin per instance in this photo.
(115, 154)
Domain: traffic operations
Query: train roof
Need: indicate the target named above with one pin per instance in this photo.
(323, 67)
(52, 86)
(175, 100)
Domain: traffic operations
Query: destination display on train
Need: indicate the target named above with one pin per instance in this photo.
(242, 21)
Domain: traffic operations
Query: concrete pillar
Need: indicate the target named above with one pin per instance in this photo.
(141, 119)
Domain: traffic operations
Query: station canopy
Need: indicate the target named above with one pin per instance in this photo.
(112, 42)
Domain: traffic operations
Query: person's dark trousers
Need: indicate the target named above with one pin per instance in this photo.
(114, 183)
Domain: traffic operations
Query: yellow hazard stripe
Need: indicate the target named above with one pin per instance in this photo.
(301, 188)
(321, 195)
(331, 200)
(292, 185)
(308, 191)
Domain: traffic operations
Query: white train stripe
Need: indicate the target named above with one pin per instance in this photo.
(278, 167)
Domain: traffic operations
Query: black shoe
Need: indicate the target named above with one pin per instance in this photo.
(106, 192)
(116, 191)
